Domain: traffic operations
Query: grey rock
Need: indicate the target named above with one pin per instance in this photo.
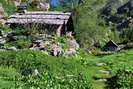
(44, 36)
(56, 52)
(70, 51)
(2, 40)
(101, 80)
(12, 48)
(105, 71)
(113, 5)
(38, 41)
(101, 64)
(4, 34)
(74, 44)
(35, 72)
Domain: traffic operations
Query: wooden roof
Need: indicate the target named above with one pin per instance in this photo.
(111, 43)
(48, 17)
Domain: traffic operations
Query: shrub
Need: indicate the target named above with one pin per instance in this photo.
(90, 28)
(55, 73)
(123, 79)
(9, 7)
(47, 81)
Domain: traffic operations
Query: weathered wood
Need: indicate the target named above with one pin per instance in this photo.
(38, 21)
(49, 18)
(40, 17)
(48, 13)
(58, 31)
(63, 17)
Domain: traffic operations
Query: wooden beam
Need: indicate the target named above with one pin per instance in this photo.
(58, 31)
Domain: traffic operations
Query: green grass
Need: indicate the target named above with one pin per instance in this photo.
(28, 60)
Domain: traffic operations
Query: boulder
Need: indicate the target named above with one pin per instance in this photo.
(4, 34)
(44, 36)
(101, 80)
(104, 71)
(2, 40)
(112, 6)
(73, 44)
(56, 52)
(38, 42)
(35, 72)
(70, 51)
(12, 48)
(100, 64)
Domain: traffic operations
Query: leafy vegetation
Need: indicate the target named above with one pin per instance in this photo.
(30, 69)
(123, 79)
(53, 72)
(73, 72)
(90, 28)
(9, 7)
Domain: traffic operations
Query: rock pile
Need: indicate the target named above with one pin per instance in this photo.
(54, 48)
(46, 43)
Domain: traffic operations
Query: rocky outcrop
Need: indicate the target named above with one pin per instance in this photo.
(49, 45)
(119, 13)
(113, 5)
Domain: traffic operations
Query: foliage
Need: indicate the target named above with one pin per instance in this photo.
(90, 28)
(22, 43)
(61, 72)
(126, 35)
(53, 72)
(5, 28)
(9, 7)
(123, 79)
(48, 80)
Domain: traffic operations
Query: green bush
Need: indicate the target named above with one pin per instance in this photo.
(53, 72)
(9, 7)
(5, 28)
(123, 79)
(47, 80)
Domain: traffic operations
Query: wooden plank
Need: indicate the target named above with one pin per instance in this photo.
(58, 31)
(48, 12)
(45, 21)
(40, 16)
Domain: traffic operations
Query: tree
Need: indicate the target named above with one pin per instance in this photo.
(90, 28)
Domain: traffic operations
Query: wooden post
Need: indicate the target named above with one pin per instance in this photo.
(58, 31)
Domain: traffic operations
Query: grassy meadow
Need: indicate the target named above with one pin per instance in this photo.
(16, 69)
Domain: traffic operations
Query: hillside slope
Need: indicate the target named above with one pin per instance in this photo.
(94, 70)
